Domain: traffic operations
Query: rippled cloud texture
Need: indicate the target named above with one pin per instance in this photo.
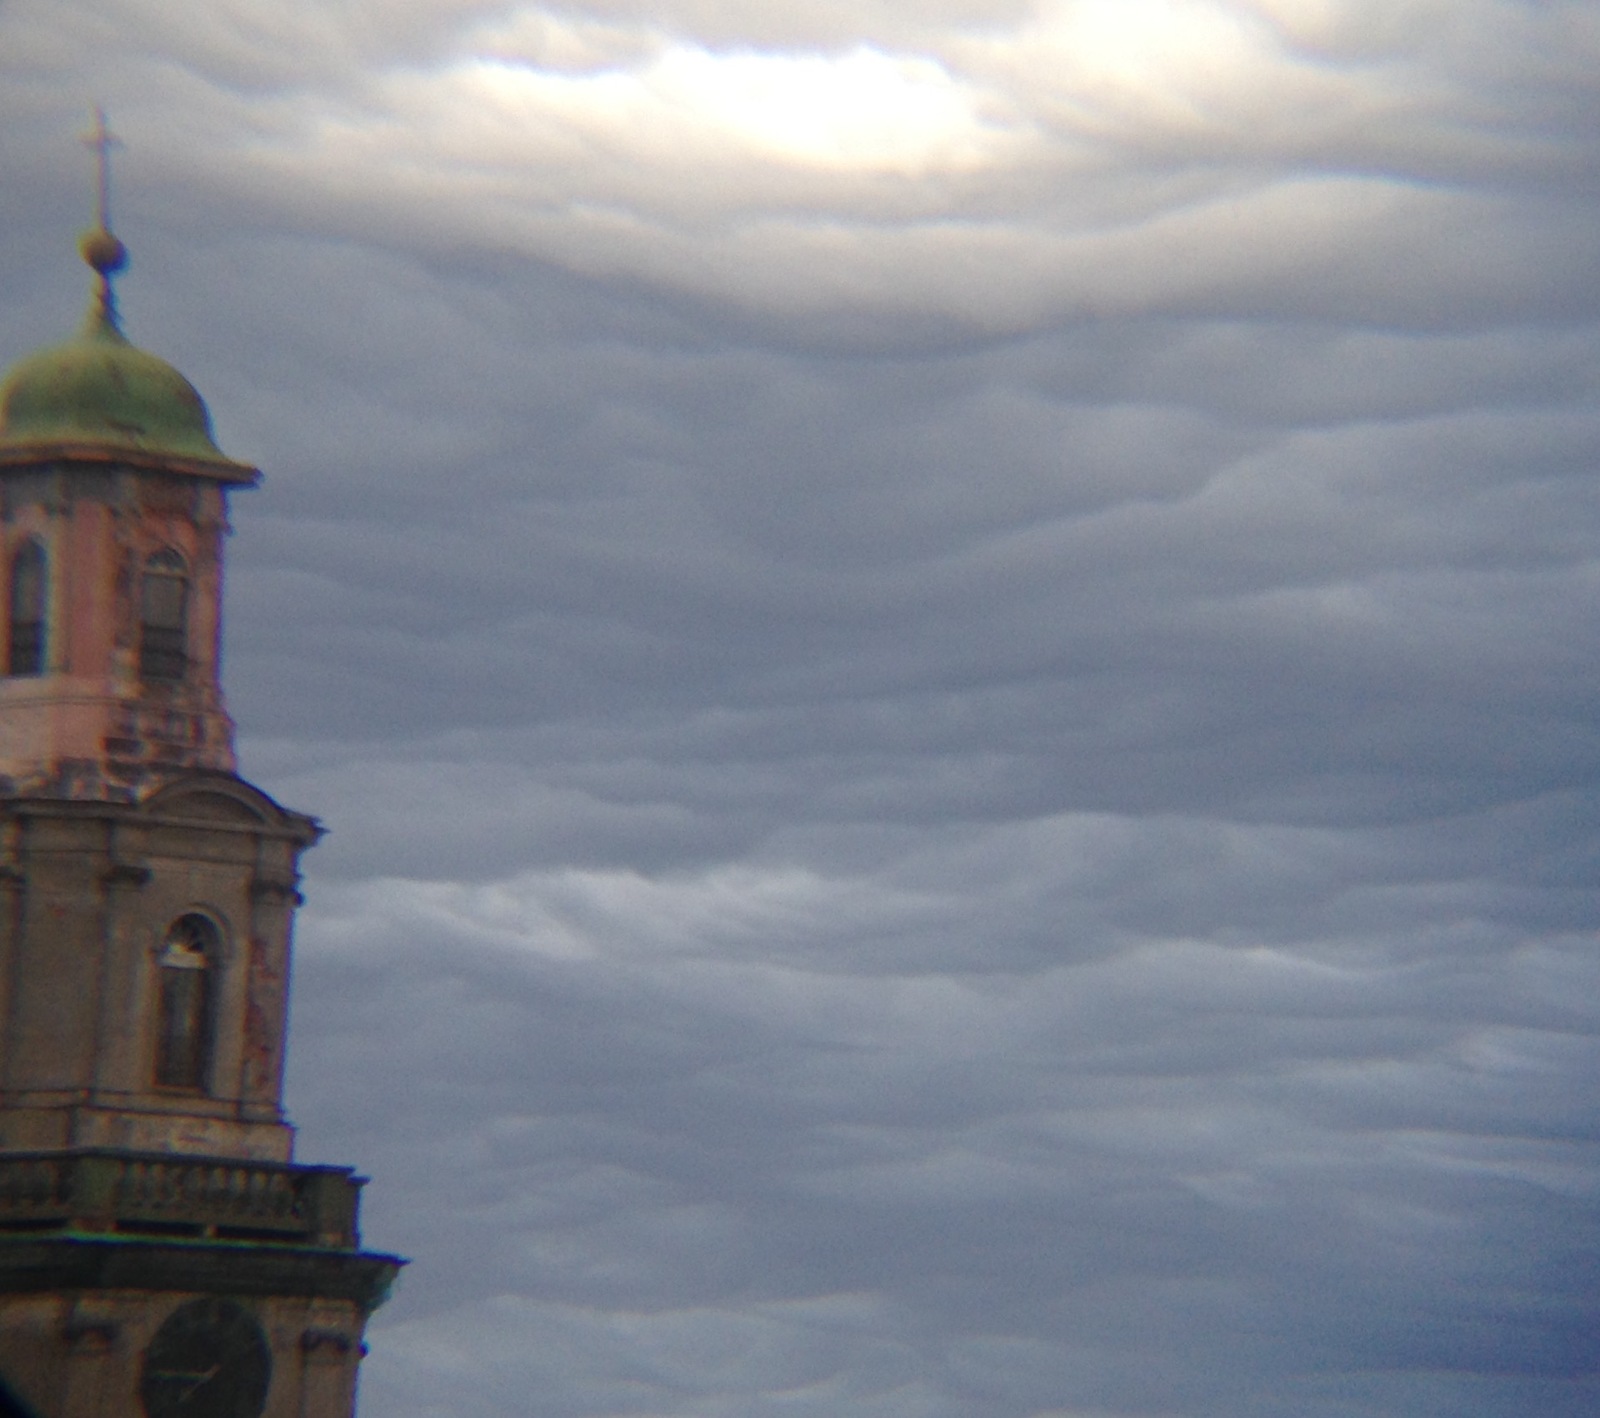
(951, 647)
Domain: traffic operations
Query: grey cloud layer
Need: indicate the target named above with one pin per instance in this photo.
(1084, 157)
(962, 774)
(748, 1151)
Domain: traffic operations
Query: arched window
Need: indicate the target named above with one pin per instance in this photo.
(164, 618)
(25, 642)
(185, 973)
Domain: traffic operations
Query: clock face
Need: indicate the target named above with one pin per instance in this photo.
(208, 1360)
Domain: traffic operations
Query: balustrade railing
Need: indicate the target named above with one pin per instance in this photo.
(173, 1194)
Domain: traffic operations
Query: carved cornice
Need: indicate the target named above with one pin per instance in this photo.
(33, 1265)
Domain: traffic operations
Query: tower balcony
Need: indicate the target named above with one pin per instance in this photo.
(173, 1196)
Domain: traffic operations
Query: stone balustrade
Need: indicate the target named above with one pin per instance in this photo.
(168, 1194)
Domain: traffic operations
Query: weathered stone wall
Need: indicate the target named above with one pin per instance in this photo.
(88, 891)
(89, 726)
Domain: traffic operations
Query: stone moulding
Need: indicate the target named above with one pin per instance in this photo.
(82, 1264)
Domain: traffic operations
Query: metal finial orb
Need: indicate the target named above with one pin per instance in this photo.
(103, 251)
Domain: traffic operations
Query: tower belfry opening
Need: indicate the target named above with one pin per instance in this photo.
(161, 1250)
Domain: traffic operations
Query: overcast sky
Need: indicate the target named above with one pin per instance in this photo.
(951, 650)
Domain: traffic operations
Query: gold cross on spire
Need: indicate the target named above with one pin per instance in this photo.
(104, 253)
(102, 140)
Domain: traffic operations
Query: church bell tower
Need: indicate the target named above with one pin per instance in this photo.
(161, 1251)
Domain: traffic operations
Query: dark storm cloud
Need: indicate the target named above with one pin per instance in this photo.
(950, 649)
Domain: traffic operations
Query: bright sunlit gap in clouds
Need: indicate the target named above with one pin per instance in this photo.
(870, 107)
(864, 110)
(906, 162)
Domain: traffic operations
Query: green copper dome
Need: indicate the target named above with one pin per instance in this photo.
(100, 397)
